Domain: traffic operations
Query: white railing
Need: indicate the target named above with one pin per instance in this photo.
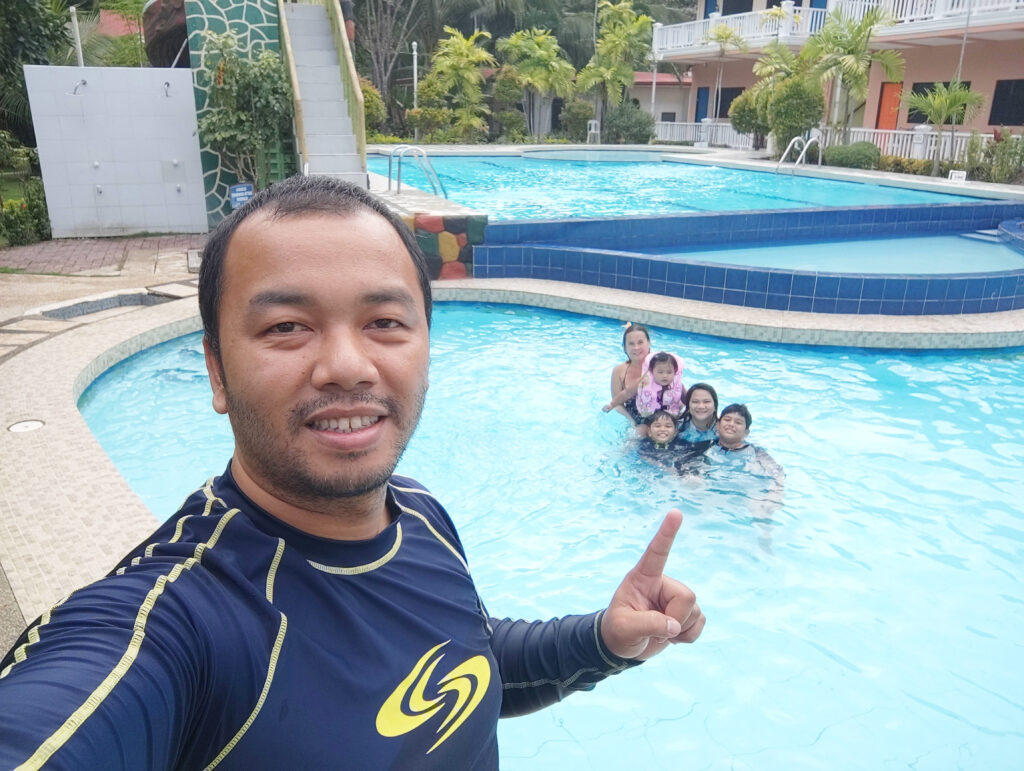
(755, 27)
(906, 144)
(712, 134)
(759, 27)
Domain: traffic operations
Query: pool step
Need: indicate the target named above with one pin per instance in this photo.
(992, 236)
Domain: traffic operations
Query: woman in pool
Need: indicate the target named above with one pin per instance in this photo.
(700, 421)
(636, 342)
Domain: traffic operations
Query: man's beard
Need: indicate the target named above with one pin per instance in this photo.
(283, 468)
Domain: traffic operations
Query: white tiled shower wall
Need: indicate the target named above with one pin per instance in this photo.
(121, 155)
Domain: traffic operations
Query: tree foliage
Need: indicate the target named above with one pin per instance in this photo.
(29, 31)
(724, 37)
(622, 46)
(534, 59)
(250, 107)
(941, 105)
(796, 107)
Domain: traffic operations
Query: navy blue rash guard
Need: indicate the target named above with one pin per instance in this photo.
(233, 640)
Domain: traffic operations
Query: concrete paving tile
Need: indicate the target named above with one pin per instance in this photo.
(38, 325)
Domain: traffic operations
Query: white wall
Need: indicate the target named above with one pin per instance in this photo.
(666, 99)
(122, 155)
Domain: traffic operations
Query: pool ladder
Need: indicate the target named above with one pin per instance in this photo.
(802, 145)
(420, 156)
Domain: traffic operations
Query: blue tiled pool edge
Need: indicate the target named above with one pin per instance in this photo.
(600, 252)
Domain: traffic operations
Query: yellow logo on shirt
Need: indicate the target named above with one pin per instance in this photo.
(408, 707)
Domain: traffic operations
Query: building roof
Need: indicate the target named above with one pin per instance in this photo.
(664, 79)
(115, 25)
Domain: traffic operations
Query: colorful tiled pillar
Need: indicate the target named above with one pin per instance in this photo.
(448, 241)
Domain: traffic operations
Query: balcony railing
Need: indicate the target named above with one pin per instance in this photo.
(712, 134)
(759, 27)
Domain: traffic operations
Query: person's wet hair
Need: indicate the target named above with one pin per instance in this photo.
(661, 414)
(740, 409)
(634, 328)
(295, 197)
(662, 358)
(701, 387)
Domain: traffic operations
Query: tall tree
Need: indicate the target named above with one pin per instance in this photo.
(457, 67)
(30, 30)
(955, 104)
(623, 45)
(725, 37)
(386, 28)
(842, 53)
(537, 63)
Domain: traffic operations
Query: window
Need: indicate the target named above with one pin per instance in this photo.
(668, 117)
(913, 116)
(1007, 104)
(728, 94)
(729, 7)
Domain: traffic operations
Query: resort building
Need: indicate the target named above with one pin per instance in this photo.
(983, 39)
(663, 94)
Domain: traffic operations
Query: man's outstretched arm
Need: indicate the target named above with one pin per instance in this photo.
(541, 662)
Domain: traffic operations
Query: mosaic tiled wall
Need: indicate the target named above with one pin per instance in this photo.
(448, 242)
(254, 24)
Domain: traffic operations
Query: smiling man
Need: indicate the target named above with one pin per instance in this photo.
(308, 608)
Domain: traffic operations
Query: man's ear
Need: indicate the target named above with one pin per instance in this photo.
(215, 370)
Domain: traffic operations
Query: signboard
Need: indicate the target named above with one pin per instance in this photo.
(957, 175)
(240, 193)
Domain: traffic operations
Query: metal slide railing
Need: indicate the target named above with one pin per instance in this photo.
(422, 160)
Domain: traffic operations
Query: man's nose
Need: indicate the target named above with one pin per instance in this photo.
(344, 360)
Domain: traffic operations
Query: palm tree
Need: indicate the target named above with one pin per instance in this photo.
(623, 46)
(457, 67)
(725, 37)
(842, 53)
(941, 105)
(538, 64)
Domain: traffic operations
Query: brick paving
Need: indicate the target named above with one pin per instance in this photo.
(74, 255)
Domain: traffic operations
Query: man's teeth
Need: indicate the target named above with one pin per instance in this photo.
(345, 425)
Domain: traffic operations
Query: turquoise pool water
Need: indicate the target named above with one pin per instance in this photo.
(874, 621)
(917, 255)
(529, 188)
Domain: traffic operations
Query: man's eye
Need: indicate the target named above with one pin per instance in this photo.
(385, 324)
(284, 327)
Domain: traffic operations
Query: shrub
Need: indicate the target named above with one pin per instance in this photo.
(859, 155)
(748, 115)
(128, 51)
(8, 149)
(1007, 158)
(35, 205)
(628, 124)
(513, 126)
(376, 138)
(796, 106)
(16, 223)
(375, 113)
(573, 119)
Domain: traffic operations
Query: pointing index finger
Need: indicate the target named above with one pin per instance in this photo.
(652, 563)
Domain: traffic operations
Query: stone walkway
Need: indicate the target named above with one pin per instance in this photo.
(81, 256)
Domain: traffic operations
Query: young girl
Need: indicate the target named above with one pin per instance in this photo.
(700, 420)
(659, 388)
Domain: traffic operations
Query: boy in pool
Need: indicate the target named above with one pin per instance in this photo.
(662, 442)
(659, 388)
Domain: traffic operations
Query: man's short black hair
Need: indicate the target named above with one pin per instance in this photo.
(294, 197)
(740, 409)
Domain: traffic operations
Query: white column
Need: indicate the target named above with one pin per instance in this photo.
(919, 147)
(786, 23)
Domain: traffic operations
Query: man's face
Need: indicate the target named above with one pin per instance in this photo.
(732, 429)
(663, 430)
(324, 351)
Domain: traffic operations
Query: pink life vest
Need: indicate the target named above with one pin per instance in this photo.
(648, 392)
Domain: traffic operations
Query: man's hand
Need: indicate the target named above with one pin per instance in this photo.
(650, 610)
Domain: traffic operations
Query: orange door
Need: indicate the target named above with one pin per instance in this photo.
(888, 106)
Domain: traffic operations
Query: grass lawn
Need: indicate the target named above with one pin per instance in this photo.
(10, 185)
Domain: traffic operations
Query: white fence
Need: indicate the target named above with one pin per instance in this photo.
(918, 143)
(706, 133)
(755, 27)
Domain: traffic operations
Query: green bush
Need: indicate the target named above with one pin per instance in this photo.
(627, 124)
(748, 115)
(128, 51)
(1007, 158)
(375, 114)
(918, 166)
(513, 126)
(16, 223)
(35, 204)
(376, 138)
(8, 149)
(859, 155)
(573, 119)
(796, 106)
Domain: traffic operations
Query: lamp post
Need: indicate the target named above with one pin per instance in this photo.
(415, 86)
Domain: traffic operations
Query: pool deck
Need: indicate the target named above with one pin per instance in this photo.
(67, 515)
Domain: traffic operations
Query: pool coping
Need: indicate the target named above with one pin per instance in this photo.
(67, 515)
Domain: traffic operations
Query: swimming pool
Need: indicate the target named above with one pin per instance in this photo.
(513, 188)
(873, 621)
